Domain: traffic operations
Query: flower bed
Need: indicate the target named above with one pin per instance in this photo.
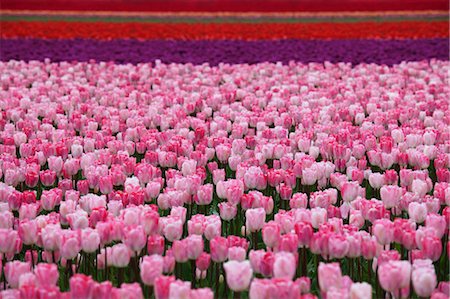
(261, 181)
(202, 31)
(215, 52)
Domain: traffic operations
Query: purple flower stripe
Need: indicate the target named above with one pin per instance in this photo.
(228, 51)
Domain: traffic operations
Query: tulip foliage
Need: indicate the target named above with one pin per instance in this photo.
(198, 181)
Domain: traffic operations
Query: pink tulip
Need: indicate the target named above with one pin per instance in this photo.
(236, 253)
(131, 290)
(219, 249)
(212, 226)
(318, 217)
(329, 276)
(151, 267)
(28, 232)
(227, 211)
(390, 195)
(271, 234)
(285, 265)
(27, 279)
(179, 289)
(431, 247)
(203, 293)
(173, 230)
(162, 285)
(304, 233)
(266, 264)
(394, 275)
(102, 290)
(298, 200)
(255, 219)
(46, 274)
(70, 244)
(134, 238)
(361, 291)
(105, 184)
(204, 195)
(90, 240)
(417, 212)
(338, 246)
(383, 230)
(51, 236)
(120, 256)
(238, 275)
(349, 191)
(13, 271)
(155, 245)
(194, 245)
(203, 261)
(49, 199)
(180, 250)
(47, 177)
(423, 277)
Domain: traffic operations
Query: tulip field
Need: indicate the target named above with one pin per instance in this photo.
(224, 153)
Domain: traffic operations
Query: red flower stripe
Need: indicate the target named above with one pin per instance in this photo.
(98, 30)
(227, 5)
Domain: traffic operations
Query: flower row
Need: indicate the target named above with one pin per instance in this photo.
(226, 51)
(213, 31)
